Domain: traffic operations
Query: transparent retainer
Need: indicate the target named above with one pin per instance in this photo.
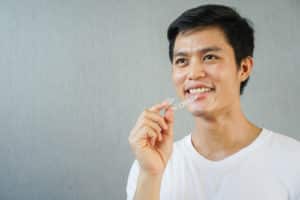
(182, 104)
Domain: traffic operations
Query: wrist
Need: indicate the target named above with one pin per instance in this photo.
(151, 174)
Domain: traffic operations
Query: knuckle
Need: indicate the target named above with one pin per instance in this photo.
(161, 121)
(152, 134)
(145, 129)
(145, 113)
(142, 120)
(142, 115)
(144, 124)
(157, 127)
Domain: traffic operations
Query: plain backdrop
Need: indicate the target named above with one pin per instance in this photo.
(75, 75)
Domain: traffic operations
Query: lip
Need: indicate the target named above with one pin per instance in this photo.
(196, 85)
(199, 96)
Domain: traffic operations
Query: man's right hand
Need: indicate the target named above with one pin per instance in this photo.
(151, 139)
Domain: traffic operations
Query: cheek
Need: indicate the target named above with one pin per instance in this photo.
(224, 76)
(179, 77)
(215, 72)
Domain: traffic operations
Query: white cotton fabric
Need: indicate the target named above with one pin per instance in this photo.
(267, 169)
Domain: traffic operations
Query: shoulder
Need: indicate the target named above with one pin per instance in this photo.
(284, 151)
(282, 148)
(283, 144)
(283, 156)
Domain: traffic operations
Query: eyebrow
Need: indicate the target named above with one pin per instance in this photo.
(202, 51)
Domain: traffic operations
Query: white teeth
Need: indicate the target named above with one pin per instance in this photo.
(199, 90)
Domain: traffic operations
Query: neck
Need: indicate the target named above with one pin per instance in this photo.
(216, 137)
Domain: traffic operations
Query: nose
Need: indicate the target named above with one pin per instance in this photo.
(196, 69)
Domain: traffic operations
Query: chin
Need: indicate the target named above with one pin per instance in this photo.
(197, 111)
(203, 115)
(201, 111)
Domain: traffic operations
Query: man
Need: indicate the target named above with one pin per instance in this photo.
(226, 156)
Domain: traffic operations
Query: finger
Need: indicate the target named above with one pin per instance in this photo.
(151, 132)
(156, 118)
(152, 135)
(169, 118)
(169, 115)
(155, 127)
(158, 107)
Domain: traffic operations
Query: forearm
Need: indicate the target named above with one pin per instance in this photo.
(148, 187)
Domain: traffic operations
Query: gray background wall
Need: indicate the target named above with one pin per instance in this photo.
(75, 75)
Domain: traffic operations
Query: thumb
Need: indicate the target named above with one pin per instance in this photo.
(169, 117)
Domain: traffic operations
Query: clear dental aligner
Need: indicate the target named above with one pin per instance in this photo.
(181, 104)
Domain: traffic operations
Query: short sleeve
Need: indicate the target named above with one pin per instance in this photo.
(132, 180)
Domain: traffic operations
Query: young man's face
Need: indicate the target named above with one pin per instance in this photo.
(204, 65)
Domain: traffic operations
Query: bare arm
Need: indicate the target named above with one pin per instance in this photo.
(151, 141)
(148, 186)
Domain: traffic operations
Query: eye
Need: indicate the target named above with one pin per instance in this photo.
(180, 61)
(210, 57)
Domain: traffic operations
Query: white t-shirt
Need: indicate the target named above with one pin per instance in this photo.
(267, 169)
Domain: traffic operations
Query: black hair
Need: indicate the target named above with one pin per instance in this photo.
(238, 31)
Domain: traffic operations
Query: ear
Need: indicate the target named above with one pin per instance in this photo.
(246, 67)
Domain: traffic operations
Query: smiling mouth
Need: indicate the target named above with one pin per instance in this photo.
(201, 90)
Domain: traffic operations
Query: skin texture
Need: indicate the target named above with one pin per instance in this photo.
(151, 141)
(202, 56)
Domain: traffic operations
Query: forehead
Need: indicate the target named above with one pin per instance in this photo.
(192, 40)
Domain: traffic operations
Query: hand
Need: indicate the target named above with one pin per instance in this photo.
(151, 139)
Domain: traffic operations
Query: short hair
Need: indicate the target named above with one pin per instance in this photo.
(238, 30)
